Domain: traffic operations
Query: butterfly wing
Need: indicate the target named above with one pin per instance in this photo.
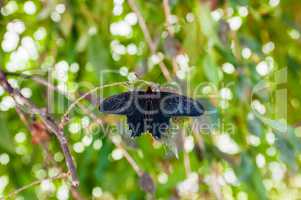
(122, 104)
(178, 105)
(157, 108)
(136, 124)
(159, 125)
(129, 104)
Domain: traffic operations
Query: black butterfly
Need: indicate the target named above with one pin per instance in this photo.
(150, 110)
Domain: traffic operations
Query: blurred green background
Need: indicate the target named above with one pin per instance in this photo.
(224, 49)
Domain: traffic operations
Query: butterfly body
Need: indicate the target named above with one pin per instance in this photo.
(150, 111)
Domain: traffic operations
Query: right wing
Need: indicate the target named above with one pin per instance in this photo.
(173, 105)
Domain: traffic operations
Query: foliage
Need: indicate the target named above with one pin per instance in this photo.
(241, 58)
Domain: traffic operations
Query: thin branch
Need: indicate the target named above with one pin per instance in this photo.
(148, 38)
(167, 17)
(186, 154)
(215, 185)
(170, 31)
(128, 157)
(49, 158)
(76, 101)
(142, 25)
(37, 182)
(48, 121)
(83, 96)
(126, 154)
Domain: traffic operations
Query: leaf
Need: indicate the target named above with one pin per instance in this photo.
(250, 175)
(39, 133)
(97, 53)
(255, 127)
(207, 24)
(46, 10)
(274, 124)
(6, 142)
(287, 152)
(66, 24)
(211, 70)
(82, 42)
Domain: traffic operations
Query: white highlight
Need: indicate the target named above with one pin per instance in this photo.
(20, 137)
(253, 140)
(162, 178)
(217, 14)
(132, 77)
(259, 107)
(74, 127)
(226, 94)
(226, 144)
(124, 71)
(60, 8)
(63, 192)
(270, 138)
(260, 160)
(29, 8)
(230, 177)
(246, 53)
(117, 154)
(268, 47)
(97, 144)
(97, 192)
(4, 159)
(274, 3)
(121, 28)
(228, 68)
(188, 143)
(235, 23)
(243, 11)
(131, 19)
(78, 147)
(40, 34)
(263, 68)
(190, 186)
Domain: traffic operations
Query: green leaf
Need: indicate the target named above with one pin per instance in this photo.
(211, 70)
(207, 24)
(66, 24)
(98, 54)
(6, 142)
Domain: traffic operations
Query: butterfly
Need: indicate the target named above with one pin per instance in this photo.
(150, 111)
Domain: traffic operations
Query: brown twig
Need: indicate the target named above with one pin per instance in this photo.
(169, 29)
(129, 158)
(76, 102)
(167, 14)
(215, 185)
(48, 121)
(148, 37)
(126, 154)
(49, 158)
(37, 182)
(186, 155)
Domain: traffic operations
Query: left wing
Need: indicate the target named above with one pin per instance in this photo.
(121, 104)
